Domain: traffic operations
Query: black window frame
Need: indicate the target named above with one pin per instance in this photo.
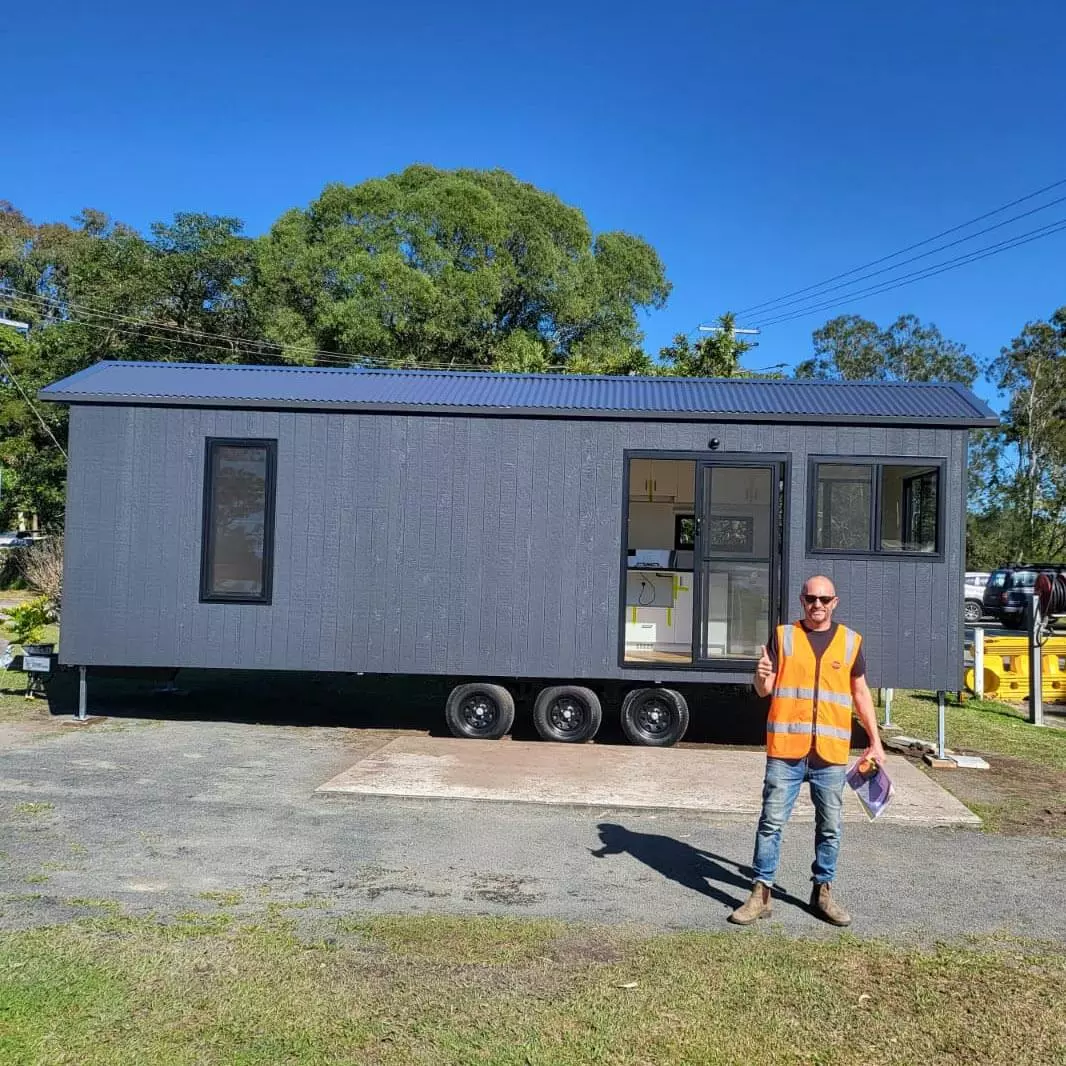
(779, 555)
(877, 463)
(265, 597)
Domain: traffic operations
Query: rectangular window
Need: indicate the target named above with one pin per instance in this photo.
(876, 507)
(238, 531)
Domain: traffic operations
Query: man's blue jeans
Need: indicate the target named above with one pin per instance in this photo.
(780, 789)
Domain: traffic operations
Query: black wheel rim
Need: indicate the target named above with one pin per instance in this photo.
(568, 716)
(654, 717)
(479, 712)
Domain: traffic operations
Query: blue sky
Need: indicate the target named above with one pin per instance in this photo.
(760, 147)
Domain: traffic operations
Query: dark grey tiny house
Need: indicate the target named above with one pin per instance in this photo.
(634, 534)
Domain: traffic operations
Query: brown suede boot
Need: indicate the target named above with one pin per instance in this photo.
(827, 908)
(755, 907)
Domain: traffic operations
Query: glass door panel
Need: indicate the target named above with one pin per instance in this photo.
(660, 555)
(737, 547)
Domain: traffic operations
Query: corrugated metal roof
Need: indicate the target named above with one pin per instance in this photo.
(576, 395)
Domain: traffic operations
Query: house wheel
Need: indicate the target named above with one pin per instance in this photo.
(479, 711)
(654, 717)
(568, 713)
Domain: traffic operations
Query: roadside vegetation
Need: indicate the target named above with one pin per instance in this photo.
(446, 990)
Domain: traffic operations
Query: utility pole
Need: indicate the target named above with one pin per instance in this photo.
(736, 330)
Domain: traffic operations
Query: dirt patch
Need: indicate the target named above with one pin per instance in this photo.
(19, 734)
(508, 891)
(1013, 796)
(578, 948)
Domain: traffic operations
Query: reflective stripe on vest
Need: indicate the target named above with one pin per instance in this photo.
(806, 728)
(811, 705)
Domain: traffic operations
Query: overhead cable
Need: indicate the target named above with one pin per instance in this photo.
(766, 304)
(926, 272)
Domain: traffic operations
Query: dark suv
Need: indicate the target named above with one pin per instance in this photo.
(1010, 586)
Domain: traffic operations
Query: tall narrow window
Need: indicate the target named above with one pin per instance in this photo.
(238, 533)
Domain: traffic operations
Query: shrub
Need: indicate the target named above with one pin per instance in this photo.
(42, 567)
(26, 621)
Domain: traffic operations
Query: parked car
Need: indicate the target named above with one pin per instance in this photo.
(1010, 586)
(973, 593)
(15, 540)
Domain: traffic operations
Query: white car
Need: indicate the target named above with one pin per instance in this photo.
(973, 609)
(15, 540)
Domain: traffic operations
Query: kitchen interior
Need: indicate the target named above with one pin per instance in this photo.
(661, 568)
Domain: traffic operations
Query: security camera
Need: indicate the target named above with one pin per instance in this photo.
(713, 444)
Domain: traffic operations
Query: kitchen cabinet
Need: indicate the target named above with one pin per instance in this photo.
(652, 479)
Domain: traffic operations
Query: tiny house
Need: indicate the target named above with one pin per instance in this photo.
(560, 537)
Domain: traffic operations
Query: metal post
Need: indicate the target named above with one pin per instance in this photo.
(940, 724)
(979, 663)
(83, 695)
(888, 708)
(1036, 679)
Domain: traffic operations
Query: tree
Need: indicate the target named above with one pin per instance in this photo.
(126, 296)
(468, 268)
(855, 348)
(716, 355)
(1021, 469)
(100, 290)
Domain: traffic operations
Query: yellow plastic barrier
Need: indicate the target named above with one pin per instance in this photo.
(1006, 668)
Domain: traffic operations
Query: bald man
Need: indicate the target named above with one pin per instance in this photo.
(814, 672)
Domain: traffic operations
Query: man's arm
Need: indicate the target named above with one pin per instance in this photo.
(864, 711)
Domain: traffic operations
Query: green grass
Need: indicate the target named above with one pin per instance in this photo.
(466, 991)
(980, 726)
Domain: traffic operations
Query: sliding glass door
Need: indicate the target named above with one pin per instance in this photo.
(738, 539)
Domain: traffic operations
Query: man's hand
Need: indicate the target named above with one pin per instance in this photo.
(875, 751)
(764, 668)
(864, 709)
(764, 673)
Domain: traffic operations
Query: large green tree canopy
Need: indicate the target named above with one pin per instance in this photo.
(463, 268)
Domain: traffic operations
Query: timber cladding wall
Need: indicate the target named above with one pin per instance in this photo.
(480, 546)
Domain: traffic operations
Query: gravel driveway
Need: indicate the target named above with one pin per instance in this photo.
(159, 815)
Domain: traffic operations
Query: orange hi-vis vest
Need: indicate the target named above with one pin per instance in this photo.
(811, 705)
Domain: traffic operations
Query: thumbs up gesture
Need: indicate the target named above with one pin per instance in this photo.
(764, 668)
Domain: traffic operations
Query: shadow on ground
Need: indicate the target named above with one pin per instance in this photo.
(723, 880)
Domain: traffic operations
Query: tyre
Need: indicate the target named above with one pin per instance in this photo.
(654, 717)
(568, 713)
(973, 611)
(479, 711)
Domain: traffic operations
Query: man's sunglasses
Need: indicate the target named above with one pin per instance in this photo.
(812, 600)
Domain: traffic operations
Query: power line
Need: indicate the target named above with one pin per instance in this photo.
(184, 331)
(219, 342)
(231, 344)
(926, 272)
(903, 251)
(913, 259)
(15, 381)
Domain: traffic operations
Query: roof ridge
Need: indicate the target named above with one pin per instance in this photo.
(527, 375)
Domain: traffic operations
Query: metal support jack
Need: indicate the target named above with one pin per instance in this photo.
(1036, 695)
(940, 749)
(83, 695)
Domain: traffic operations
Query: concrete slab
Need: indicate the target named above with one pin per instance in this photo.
(712, 782)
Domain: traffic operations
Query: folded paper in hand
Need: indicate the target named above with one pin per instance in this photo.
(872, 785)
